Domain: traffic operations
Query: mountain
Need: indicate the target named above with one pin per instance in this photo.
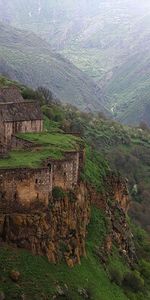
(128, 90)
(27, 58)
(109, 40)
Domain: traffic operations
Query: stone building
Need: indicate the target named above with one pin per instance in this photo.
(31, 215)
(19, 117)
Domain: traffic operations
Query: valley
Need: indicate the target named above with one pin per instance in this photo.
(27, 58)
(109, 41)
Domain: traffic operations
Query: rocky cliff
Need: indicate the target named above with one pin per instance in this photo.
(115, 203)
(59, 230)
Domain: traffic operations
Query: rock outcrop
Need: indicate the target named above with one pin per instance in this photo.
(115, 203)
(58, 232)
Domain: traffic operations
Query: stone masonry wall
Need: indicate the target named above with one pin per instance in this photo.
(2, 133)
(10, 128)
(24, 189)
(19, 143)
(65, 172)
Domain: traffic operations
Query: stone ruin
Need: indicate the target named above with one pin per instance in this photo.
(26, 185)
(30, 217)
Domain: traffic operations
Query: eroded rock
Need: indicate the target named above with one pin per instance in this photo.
(15, 275)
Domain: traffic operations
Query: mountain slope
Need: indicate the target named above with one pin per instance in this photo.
(109, 40)
(128, 90)
(102, 274)
(28, 59)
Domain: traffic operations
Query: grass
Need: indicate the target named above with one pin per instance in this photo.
(52, 145)
(62, 141)
(95, 169)
(30, 159)
(39, 277)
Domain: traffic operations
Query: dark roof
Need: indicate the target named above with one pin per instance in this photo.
(22, 111)
(10, 94)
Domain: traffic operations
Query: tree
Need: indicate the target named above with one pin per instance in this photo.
(46, 94)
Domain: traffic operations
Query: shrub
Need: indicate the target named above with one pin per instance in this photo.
(28, 93)
(72, 196)
(145, 269)
(58, 193)
(116, 275)
(134, 281)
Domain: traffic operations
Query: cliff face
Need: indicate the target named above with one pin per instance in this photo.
(59, 230)
(115, 203)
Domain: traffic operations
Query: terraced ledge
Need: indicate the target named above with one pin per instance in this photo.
(51, 145)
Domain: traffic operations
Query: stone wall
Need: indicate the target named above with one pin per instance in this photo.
(24, 189)
(19, 143)
(2, 133)
(3, 151)
(10, 128)
(65, 172)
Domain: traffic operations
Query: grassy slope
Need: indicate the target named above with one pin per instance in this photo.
(126, 150)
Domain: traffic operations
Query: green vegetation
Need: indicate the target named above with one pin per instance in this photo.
(95, 170)
(30, 159)
(58, 193)
(110, 146)
(62, 141)
(51, 146)
(5, 82)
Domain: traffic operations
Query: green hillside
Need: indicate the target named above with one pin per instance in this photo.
(109, 146)
(123, 148)
(28, 59)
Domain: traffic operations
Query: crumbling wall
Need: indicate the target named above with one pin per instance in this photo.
(10, 128)
(66, 171)
(30, 215)
(24, 189)
(19, 143)
(2, 133)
